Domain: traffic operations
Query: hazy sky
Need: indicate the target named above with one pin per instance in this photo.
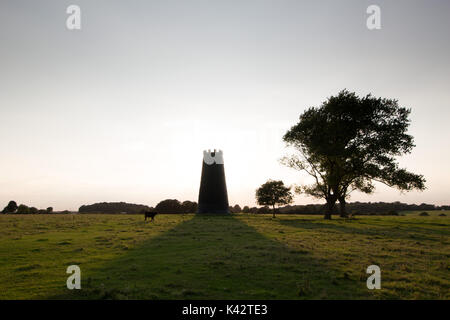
(122, 109)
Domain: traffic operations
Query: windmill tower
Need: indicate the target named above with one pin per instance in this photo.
(213, 196)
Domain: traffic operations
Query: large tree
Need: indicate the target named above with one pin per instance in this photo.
(348, 143)
(273, 193)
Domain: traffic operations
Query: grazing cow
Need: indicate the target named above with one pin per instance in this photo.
(150, 214)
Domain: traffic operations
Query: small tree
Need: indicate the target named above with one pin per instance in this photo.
(273, 193)
(49, 210)
(11, 207)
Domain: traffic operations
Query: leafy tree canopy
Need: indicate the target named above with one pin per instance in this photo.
(11, 207)
(348, 143)
(273, 193)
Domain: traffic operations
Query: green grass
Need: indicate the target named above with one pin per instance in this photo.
(433, 213)
(224, 257)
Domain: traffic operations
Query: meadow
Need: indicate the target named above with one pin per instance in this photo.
(240, 256)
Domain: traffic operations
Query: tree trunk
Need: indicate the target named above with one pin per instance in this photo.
(273, 211)
(342, 204)
(329, 208)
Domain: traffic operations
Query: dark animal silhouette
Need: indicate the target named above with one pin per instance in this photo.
(150, 214)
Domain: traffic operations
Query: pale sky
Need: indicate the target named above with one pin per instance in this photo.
(122, 109)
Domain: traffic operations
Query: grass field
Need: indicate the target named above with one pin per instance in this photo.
(224, 257)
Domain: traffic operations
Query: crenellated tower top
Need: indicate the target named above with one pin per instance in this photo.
(213, 156)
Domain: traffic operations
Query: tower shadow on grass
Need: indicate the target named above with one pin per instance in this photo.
(214, 257)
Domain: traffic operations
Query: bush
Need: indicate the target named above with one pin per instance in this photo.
(442, 215)
(169, 206)
(113, 207)
(189, 206)
(253, 210)
(424, 214)
(23, 209)
(265, 209)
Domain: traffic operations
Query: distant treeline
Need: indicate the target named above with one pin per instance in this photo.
(363, 208)
(165, 206)
(114, 207)
(175, 206)
(355, 208)
(12, 207)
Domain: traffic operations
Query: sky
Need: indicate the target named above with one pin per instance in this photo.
(122, 109)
